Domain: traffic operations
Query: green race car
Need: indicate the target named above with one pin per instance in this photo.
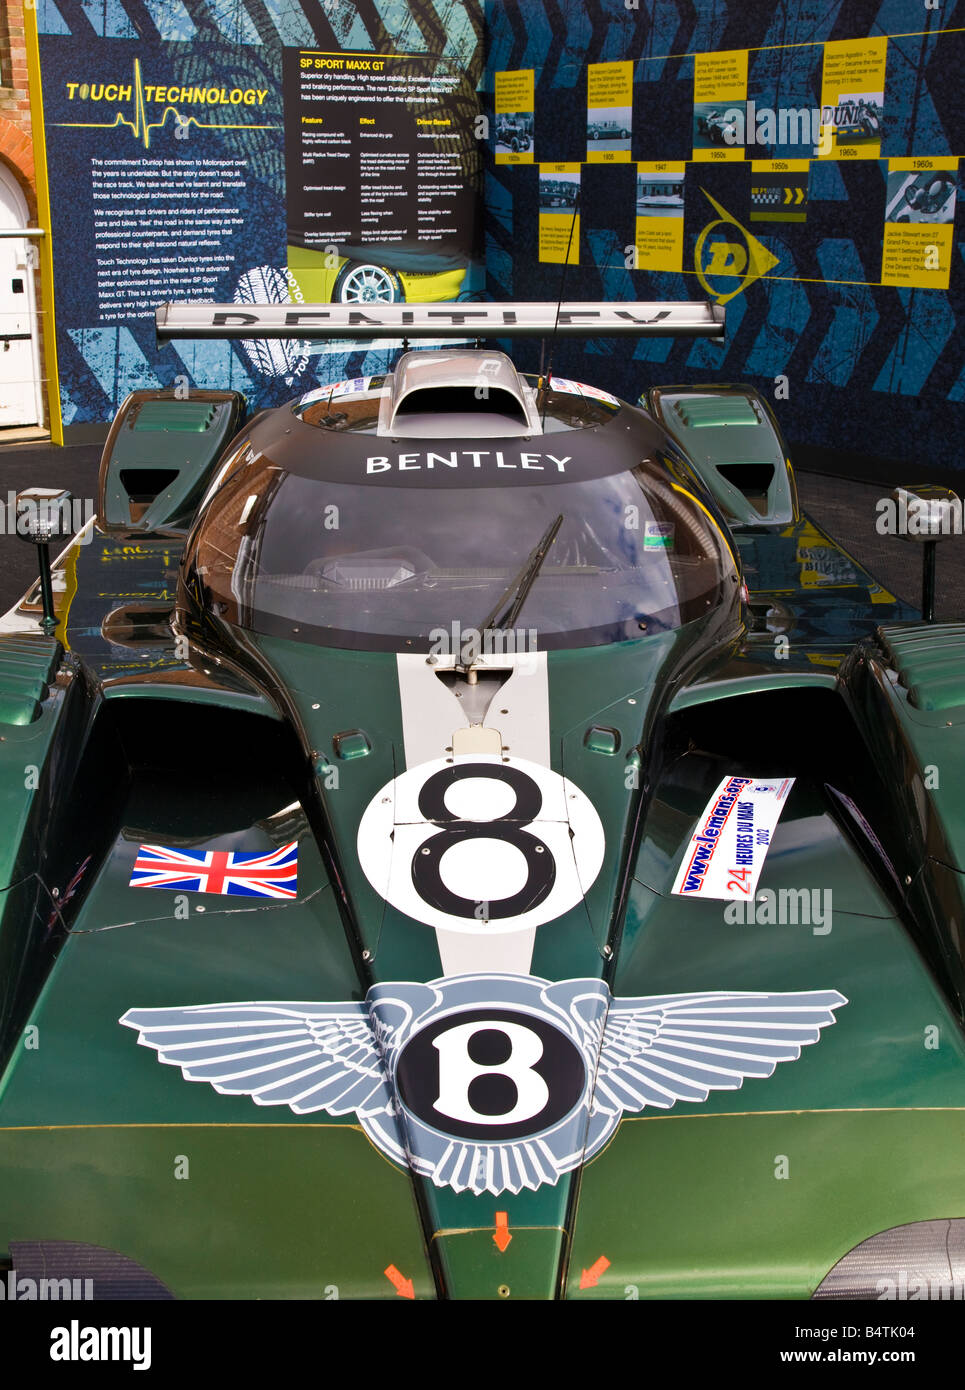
(469, 837)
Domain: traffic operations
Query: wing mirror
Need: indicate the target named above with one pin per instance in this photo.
(44, 515)
(927, 514)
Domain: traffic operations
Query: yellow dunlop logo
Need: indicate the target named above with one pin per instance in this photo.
(727, 258)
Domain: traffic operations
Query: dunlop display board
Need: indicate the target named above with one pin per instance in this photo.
(852, 98)
(609, 106)
(659, 241)
(805, 176)
(720, 105)
(514, 117)
(377, 153)
(211, 155)
(559, 220)
(919, 233)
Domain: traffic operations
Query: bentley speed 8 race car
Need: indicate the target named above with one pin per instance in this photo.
(470, 837)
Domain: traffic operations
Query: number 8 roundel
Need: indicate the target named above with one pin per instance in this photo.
(483, 845)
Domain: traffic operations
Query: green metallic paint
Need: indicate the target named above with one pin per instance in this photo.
(726, 686)
(37, 762)
(27, 666)
(876, 1053)
(924, 810)
(264, 1210)
(87, 1069)
(542, 1209)
(935, 738)
(695, 1206)
(929, 663)
(473, 1266)
(23, 747)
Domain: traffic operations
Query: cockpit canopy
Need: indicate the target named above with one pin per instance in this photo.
(352, 518)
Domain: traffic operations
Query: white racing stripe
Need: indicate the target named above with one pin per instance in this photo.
(404, 853)
(431, 713)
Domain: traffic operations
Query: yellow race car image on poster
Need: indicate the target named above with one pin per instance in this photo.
(364, 275)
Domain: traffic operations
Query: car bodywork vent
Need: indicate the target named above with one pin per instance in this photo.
(711, 412)
(464, 393)
(159, 454)
(181, 417)
(753, 480)
(91, 1271)
(27, 666)
(927, 1257)
(142, 485)
(734, 442)
(930, 662)
(139, 625)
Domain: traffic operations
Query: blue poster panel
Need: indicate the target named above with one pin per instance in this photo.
(798, 163)
(258, 151)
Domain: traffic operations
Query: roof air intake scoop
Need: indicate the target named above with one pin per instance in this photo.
(435, 395)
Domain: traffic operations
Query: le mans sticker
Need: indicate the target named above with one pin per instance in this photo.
(730, 842)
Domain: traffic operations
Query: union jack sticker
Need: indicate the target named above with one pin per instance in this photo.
(238, 873)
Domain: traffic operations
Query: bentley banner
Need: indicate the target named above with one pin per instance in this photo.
(218, 156)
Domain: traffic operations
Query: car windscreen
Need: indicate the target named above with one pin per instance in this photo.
(393, 568)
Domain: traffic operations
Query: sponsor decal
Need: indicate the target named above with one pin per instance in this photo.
(354, 387)
(484, 845)
(229, 872)
(727, 850)
(658, 535)
(567, 387)
(580, 388)
(487, 1082)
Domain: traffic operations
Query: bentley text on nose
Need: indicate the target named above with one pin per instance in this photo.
(466, 458)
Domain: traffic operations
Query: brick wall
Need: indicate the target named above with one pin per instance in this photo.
(16, 142)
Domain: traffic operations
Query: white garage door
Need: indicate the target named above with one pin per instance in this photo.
(20, 401)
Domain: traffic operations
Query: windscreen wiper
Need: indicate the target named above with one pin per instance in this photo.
(506, 610)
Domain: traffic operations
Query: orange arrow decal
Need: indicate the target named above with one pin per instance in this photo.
(591, 1277)
(501, 1234)
(403, 1287)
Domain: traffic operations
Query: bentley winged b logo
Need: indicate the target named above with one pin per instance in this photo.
(487, 1082)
